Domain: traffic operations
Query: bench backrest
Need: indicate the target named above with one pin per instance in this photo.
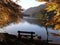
(26, 32)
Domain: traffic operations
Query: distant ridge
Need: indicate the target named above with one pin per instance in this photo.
(32, 10)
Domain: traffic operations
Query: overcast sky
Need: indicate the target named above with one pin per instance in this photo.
(28, 3)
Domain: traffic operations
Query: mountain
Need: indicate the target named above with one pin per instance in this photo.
(32, 10)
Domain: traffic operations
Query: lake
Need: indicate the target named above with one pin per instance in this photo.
(31, 24)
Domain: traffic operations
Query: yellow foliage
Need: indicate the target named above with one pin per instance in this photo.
(9, 13)
(57, 1)
(53, 5)
(43, 0)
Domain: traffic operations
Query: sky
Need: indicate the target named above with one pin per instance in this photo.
(28, 3)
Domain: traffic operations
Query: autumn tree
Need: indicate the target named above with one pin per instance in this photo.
(10, 12)
(53, 10)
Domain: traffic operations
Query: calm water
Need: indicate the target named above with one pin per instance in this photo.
(31, 24)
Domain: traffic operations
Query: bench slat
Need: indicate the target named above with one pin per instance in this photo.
(26, 32)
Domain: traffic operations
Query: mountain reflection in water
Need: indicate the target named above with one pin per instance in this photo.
(30, 24)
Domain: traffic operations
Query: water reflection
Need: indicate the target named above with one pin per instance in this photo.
(31, 25)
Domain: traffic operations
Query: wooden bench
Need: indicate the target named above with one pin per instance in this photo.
(25, 32)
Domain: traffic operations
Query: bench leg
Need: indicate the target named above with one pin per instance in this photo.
(31, 37)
